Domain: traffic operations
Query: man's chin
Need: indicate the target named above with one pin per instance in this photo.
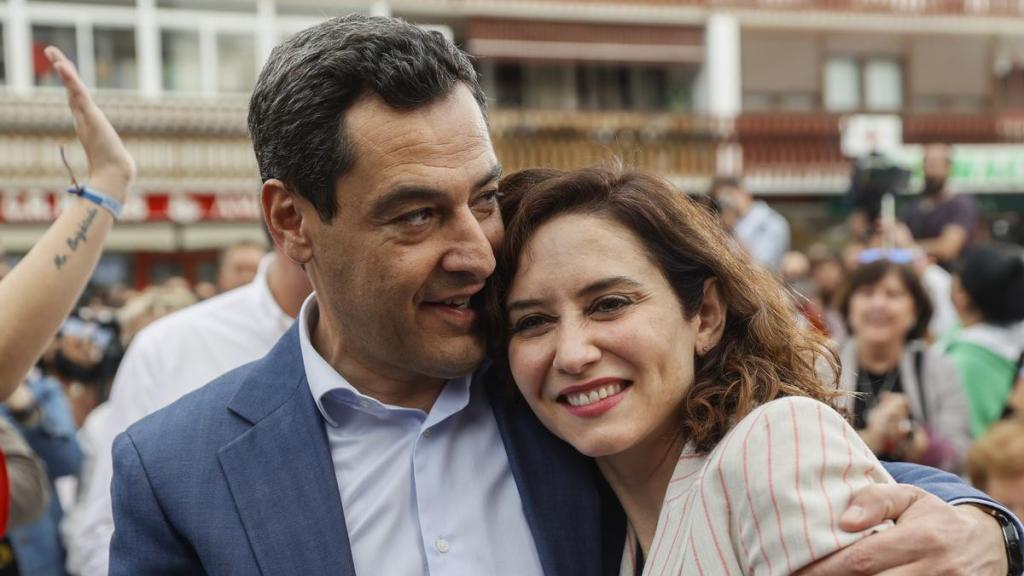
(453, 357)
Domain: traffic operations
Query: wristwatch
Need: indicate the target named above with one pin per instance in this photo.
(1014, 557)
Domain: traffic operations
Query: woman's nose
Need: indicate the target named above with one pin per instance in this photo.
(575, 351)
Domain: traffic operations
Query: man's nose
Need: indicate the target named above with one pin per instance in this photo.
(470, 252)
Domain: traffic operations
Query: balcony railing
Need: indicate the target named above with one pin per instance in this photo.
(664, 143)
(201, 145)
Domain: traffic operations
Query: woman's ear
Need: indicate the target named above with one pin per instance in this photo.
(287, 216)
(711, 317)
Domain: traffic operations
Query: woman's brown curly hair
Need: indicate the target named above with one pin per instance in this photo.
(763, 353)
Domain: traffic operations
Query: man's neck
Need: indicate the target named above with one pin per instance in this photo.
(879, 358)
(391, 386)
(939, 197)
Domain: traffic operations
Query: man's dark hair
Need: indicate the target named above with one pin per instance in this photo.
(297, 107)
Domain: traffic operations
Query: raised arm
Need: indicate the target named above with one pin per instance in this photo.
(37, 295)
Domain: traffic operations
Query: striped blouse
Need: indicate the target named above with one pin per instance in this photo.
(766, 500)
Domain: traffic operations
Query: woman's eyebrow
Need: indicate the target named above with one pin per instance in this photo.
(592, 288)
(522, 304)
(607, 283)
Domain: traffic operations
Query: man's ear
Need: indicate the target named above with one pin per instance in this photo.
(288, 217)
(711, 317)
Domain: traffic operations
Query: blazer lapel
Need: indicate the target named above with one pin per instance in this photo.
(281, 474)
(577, 524)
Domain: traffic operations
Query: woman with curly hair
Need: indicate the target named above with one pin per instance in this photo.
(637, 335)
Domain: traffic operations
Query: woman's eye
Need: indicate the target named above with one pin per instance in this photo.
(610, 304)
(527, 323)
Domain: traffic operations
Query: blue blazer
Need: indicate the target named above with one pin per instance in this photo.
(237, 478)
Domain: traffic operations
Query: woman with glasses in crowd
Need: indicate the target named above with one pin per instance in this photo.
(909, 404)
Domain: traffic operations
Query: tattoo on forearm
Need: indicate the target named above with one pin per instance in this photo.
(79, 237)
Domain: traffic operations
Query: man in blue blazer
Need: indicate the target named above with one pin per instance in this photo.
(369, 441)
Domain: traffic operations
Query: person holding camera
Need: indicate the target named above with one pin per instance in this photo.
(909, 405)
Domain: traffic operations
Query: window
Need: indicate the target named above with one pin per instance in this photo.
(508, 82)
(549, 86)
(593, 86)
(236, 62)
(115, 58)
(883, 84)
(180, 54)
(92, 2)
(62, 37)
(842, 85)
(873, 84)
(603, 87)
(1012, 87)
(650, 88)
(211, 5)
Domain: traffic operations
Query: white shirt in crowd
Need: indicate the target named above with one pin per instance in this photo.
(764, 233)
(168, 359)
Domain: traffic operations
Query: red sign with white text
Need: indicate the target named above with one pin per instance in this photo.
(41, 207)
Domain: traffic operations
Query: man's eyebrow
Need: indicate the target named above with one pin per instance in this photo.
(493, 174)
(405, 195)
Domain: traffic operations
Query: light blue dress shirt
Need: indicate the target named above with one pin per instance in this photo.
(423, 493)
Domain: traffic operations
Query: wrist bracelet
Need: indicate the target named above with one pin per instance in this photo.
(96, 197)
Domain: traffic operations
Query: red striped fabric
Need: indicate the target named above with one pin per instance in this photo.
(766, 501)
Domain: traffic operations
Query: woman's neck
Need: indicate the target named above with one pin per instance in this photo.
(879, 358)
(639, 477)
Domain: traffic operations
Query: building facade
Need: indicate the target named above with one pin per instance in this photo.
(686, 88)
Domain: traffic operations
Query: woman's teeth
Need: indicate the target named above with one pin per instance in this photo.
(596, 395)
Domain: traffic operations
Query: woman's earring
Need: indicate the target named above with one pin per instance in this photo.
(705, 348)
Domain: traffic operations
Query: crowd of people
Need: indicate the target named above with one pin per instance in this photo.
(929, 326)
(257, 425)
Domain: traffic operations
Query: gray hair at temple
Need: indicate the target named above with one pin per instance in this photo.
(296, 113)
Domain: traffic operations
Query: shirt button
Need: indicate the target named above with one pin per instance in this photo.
(442, 545)
(427, 433)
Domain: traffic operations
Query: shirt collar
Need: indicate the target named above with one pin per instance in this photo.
(333, 393)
